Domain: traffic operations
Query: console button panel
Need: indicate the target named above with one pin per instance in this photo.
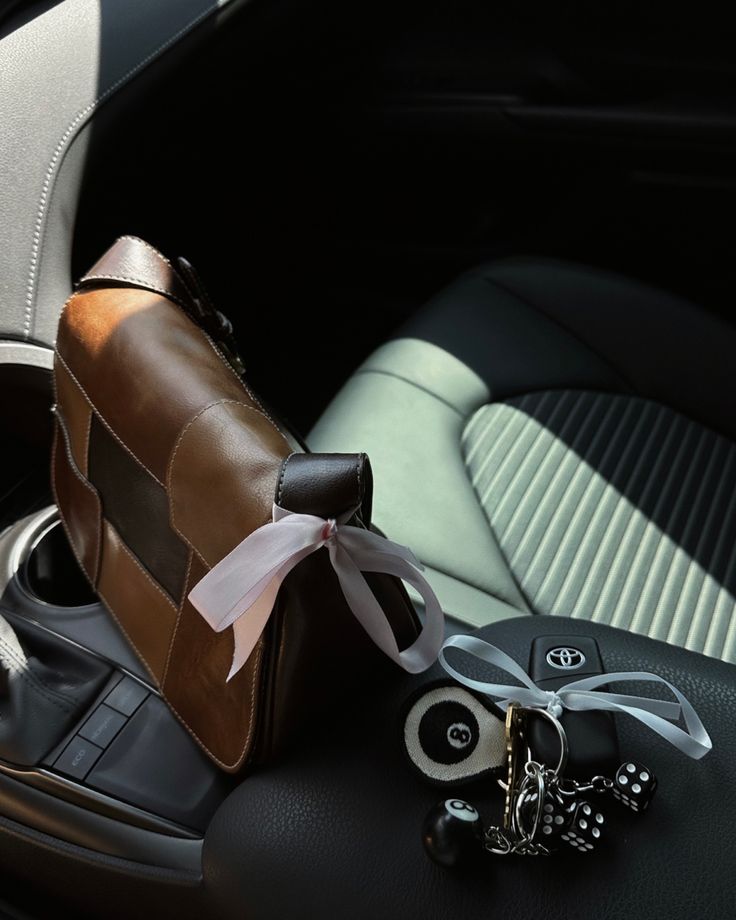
(131, 748)
(102, 725)
(127, 696)
(78, 758)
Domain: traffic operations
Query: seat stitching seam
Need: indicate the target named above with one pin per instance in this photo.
(470, 584)
(63, 145)
(411, 383)
(504, 287)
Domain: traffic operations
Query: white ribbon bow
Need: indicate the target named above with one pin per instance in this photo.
(581, 695)
(240, 591)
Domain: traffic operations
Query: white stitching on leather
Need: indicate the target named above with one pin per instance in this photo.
(36, 684)
(88, 485)
(87, 437)
(69, 299)
(246, 743)
(161, 685)
(142, 569)
(60, 149)
(259, 651)
(169, 469)
(193, 419)
(98, 547)
(104, 421)
(70, 457)
(93, 582)
(137, 239)
(129, 279)
(281, 480)
(178, 616)
(241, 381)
(124, 631)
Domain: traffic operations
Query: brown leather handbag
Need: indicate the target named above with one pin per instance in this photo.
(163, 462)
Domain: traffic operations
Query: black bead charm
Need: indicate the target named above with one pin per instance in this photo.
(452, 832)
(586, 828)
(634, 786)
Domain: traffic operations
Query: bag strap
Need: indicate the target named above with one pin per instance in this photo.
(328, 486)
(131, 262)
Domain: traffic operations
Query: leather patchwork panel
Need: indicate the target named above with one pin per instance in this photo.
(78, 504)
(138, 508)
(615, 509)
(76, 412)
(145, 613)
(146, 367)
(245, 468)
(199, 650)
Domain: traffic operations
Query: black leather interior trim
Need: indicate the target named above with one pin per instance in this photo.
(45, 685)
(327, 485)
(347, 811)
(156, 871)
(507, 288)
(668, 349)
(513, 347)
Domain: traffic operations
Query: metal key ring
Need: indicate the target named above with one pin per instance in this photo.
(561, 735)
(534, 781)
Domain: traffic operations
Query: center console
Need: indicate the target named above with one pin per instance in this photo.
(110, 763)
(336, 829)
(122, 808)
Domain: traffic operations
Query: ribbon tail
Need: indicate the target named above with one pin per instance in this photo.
(695, 742)
(247, 629)
(422, 653)
(241, 589)
(656, 714)
(528, 695)
(361, 542)
(238, 580)
(581, 695)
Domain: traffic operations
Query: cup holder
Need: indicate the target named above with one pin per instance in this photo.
(51, 573)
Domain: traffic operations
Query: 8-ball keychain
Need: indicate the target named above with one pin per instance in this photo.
(451, 736)
(543, 811)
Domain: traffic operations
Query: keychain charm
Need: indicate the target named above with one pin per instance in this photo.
(452, 735)
(452, 832)
(543, 811)
(634, 786)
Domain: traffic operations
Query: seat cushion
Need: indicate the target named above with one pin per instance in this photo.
(549, 439)
(612, 508)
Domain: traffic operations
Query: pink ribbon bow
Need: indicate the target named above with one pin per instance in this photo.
(240, 591)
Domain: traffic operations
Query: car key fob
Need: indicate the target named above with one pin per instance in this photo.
(592, 740)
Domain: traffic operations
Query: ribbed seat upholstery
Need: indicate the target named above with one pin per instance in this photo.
(612, 508)
(555, 440)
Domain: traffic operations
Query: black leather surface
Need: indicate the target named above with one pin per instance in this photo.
(333, 831)
(45, 685)
(529, 324)
(327, 484)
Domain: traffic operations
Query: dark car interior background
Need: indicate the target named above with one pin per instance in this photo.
(330, 168)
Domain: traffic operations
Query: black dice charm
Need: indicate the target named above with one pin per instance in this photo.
(634, 786)
(585, 829)
(557, 815)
